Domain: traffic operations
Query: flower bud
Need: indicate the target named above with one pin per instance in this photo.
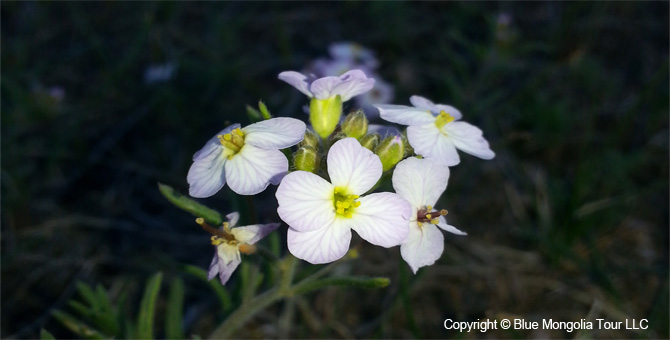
(311, 139)
(391, 151)
(371, 141)
(324, 114)
(334, 138)
(306, 159)
(355, 124)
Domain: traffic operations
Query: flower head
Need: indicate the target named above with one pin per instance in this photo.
(421, 182)
(248, 158)
(435, 132)
(231, 242)
(321, 214)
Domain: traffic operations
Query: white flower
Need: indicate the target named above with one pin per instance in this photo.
(435, 132)
(353, 53)
(347, 86)
(321, 214)
(421, 182)
(248, 159)
(231, 241)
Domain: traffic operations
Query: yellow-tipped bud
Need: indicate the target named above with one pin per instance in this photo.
(311, 139)
(355, 124)
(370, 142)
(324, 114)
(306, 159)
(391, 151)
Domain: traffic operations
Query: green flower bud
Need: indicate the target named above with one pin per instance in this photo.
(334, 138)
(324, 114)
(311, 139)
(370, 142)
(391, 151)
(355, 124)
(306, 159)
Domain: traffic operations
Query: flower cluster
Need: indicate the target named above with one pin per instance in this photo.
(338, 164)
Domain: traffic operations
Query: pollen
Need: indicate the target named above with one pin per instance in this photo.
(428, 215)
(344, 203)
(442, 119)
(217, 240)
(232, 142)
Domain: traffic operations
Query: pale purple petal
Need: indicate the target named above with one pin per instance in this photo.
(327, 244)
(252, 169)
(446, 227)
(296, 80)
(420, 181)
(423, 246)
(206, 175)
(425, 104)
(429, 142)
(384, 130)
(353, 167)
(233, 217)
(253, 233)
(322, 88)
(405, 115)
(469, 138)
(224, 270)
(422, 103)
(452, 111)
(382, 219)
(305, 201)
(213, 143)
(352, 84)
(275, 133)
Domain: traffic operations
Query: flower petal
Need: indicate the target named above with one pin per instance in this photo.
(252, 169)
(275, 133)
(352, 166)
(213, 143)
(322, 88)
(443, 224)
(420, 181)
(297, 80)
(206, 175)
(323, 245)
(423, 246)
(352, 84)
(305, 201)
(426, 104)
(253, 233)
(422, 103)
(429, 142)
(382, 219)
(384, 130)
(405, 115)
(233, 217)
(224, 270)
(469, 138)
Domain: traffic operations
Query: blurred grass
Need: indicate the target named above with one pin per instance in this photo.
(569, 220)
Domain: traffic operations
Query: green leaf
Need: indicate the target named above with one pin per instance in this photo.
(358, 282)
(45, 335)
(77, 326)
(174, 316)
(215, 284)
(264, 110)
(198, 210)
(89, 295)
(145, 318)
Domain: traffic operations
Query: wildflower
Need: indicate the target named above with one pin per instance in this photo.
(421, 182)
(435, 132)
(353, 53)
(230, 242)
(328, 94)
(321, 214)
(248, 158)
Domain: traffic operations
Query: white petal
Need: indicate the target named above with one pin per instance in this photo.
(443, 224)
(323, 245)
(429, 142)
(252, 169)
(222, 266)
(253, 233)
(405, 115)
(213, 143)
(423, 246)
(322, 88)
(422, 103)
(468, 138)
(233, 217)
(425, 104)
(382, 219)
(353, 167)
(452, 111)
(352, 84)
(420, 181)
(305, 201)
(275, 133)
(296, 80)
(206, 175)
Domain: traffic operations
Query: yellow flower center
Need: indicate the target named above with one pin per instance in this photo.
(428, 215)
(232, 142)
(345, 204)
(442, 119)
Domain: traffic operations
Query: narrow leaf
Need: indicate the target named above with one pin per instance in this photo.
(89, 295)
(198, 210)
(358, 282)
(175, 307)
(219, 290)
(145, 318)
(45, 335)
(77, 326)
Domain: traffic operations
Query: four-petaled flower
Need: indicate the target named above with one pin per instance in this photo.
(347, 86)
(434, 131)
(421, 182)
(230, 242)
(248, 159)
(321, 214)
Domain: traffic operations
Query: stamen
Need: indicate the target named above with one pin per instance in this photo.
(222, 234)
(442, 119)
(434, 221)
(428, 215)
(217, 240)
(344, 204)
(232, 142)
